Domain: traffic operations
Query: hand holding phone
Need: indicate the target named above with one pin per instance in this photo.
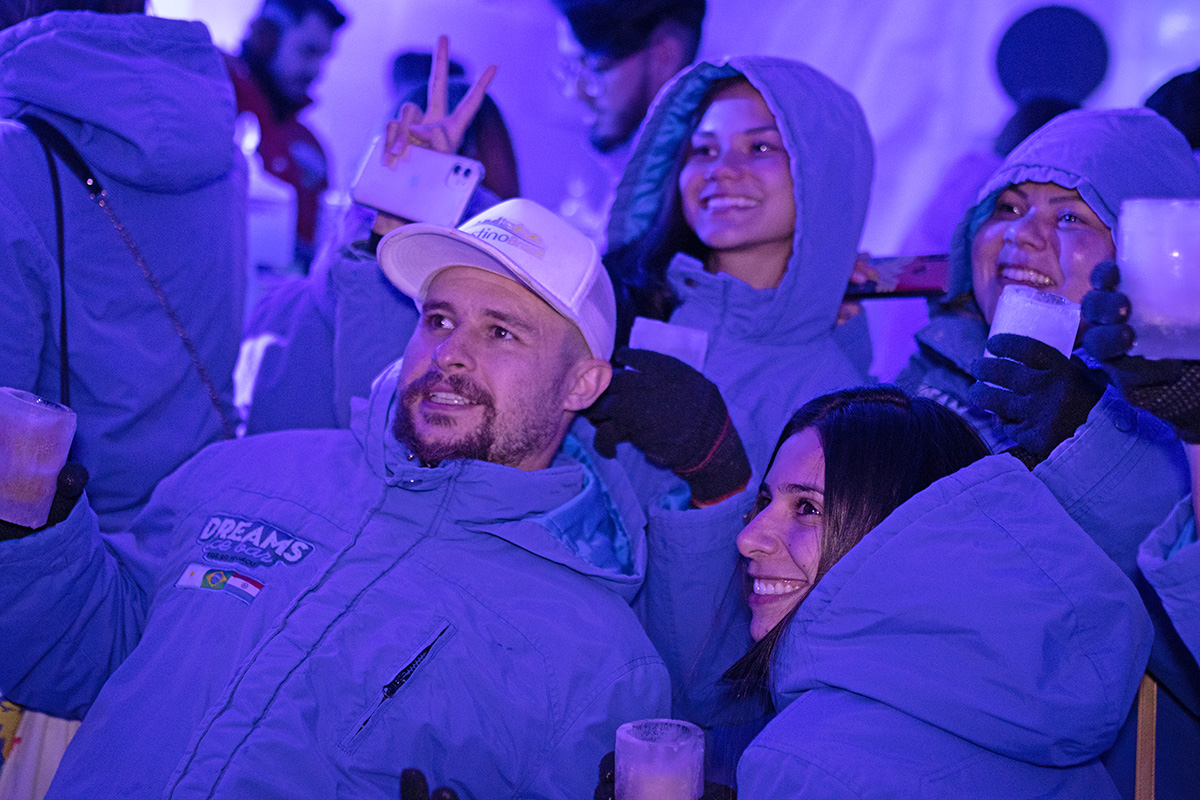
(421, 186)
(436, 128)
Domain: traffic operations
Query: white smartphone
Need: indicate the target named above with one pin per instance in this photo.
(422, 186)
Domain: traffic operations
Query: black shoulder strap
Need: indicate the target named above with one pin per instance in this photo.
(52, 138)
(47, 134)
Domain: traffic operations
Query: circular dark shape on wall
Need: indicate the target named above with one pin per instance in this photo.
(1052, 52)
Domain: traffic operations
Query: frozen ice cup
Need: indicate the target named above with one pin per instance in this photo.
(35, 437)
(659, 759)
(1049, 318)
(1158, 251)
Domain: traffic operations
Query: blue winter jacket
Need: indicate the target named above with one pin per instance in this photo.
(769, 350)
(306, 614)
(1170, 560)
(975, 644)
(1123, 471)
(148, 104)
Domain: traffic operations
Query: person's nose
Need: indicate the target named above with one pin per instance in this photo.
(727, 164)
(757, 539)
(1026, 231)
(454, 353)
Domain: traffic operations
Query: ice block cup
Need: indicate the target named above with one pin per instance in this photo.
(1158, 251)
(1049, 318)
(659, 759)
(35, 437)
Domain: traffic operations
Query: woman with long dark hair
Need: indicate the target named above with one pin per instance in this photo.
(926, 619)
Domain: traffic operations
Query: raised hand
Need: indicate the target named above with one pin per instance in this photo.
(1167, 388)
(436, 128)
(1040, 395)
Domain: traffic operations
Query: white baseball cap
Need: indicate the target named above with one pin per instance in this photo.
(518, 239)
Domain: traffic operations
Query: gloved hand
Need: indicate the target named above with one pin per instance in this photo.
(1040, 395)
(677, 418)
(72, 479)
(606, 786)
(1167, 388)
(413, 786)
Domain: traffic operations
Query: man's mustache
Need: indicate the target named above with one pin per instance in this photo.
(459, 384)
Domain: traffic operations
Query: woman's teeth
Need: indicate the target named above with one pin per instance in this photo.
(777, 586)
(719, 203)
(1025, 275)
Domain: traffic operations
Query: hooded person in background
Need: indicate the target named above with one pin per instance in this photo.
(737, 225)
(147, 105)
(281, 57)
(1045, 219)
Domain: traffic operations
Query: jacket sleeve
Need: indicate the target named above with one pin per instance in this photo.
(1119, 477)
(74, 604)
(692, 606)
(640, 691)
(1170, 560)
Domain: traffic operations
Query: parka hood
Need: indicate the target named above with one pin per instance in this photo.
(1107, 156)
(579, 512)
(832, 163)
(981, 608)
(130, 116)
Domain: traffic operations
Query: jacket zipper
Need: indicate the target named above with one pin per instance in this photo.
(394, 685)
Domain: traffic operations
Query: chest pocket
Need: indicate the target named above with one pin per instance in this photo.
(388, 691)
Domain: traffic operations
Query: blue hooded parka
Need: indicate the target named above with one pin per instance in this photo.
(769, 350)
(308, 613)
(148, 104)
(1123, 471)
(975, 644)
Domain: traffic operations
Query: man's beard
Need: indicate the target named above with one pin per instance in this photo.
(486, 442)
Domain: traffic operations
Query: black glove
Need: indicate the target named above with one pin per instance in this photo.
(72, 479)
(1040, 395)
(413, 786)
(606, 785)
(1167, 388)
(676, 417)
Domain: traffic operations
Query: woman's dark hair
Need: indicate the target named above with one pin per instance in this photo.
(639, 268)
(881, 447)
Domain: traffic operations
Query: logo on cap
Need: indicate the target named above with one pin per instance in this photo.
(502, 231)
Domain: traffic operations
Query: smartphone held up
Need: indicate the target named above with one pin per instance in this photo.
(422, 185)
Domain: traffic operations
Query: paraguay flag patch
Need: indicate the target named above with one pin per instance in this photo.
(201, 576)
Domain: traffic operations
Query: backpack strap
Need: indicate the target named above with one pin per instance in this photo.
(47, 136)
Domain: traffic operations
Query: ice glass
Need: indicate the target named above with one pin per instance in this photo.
(1158, 250)
(659, 759)
(1046, 317)
(35, 437)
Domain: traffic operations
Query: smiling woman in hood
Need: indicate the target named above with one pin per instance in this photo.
(918, 630)
(739, 217)
(1044, 219)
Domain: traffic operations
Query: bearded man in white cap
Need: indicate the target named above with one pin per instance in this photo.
(444, 586)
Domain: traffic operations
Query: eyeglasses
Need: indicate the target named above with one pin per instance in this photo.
(586, 74)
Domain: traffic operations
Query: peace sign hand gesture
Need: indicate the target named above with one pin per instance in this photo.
(435, 128)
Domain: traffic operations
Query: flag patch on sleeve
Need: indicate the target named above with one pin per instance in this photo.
(202, 576)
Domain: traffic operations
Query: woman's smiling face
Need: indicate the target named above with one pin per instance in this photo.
(1038, 235)
(783, 540)
(736, 184)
